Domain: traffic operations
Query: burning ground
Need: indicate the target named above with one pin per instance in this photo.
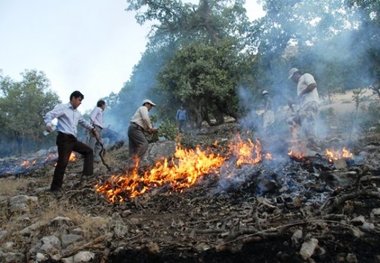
(229, 200)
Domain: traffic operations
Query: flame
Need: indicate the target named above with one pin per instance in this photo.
(296, 154)
(246, 152)
(73, 157)
(182, 172)
(333, 155)
(27, 163)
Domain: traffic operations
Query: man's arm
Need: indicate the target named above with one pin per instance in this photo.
(309, 88)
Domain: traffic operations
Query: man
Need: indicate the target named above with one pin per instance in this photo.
(96, 118)
(68, 118)
(268, 114)
(308, 100)
(181, 117)
(140, 123)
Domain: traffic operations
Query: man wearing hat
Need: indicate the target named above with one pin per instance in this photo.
(140, 123)
(308, 100)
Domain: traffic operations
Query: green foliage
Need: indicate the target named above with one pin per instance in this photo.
(22, 106)
(168, 129)
(204, 77)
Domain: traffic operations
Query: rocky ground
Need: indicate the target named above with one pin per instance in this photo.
(281, 210)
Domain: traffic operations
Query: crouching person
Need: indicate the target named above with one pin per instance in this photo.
(68, 118)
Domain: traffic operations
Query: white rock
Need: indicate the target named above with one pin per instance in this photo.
(41, 257)
(308, 248)
(84, 256)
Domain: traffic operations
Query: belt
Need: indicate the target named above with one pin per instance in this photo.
(137, 126)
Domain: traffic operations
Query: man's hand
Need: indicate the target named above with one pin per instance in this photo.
(96, 134)
(49, 128)
(153, 130)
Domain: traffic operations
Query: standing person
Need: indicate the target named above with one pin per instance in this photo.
(181, 117)
(96, 118)
(140, 123)
(308, 100)
(68, 118)
(268, 115)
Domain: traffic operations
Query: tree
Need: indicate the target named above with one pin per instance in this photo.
(22, 106)
(204, 78)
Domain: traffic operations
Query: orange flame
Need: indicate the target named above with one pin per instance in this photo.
(298, 155)
(333, 155)
(180, 173)
(246, 152)
(27, 163)
(73, 157)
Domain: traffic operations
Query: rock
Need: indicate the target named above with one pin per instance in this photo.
(375, 213)
(60, 221)
(83, 256)
(368, 226)
(3, 235)
(340, 164)
(22, 203)
(157, 151)
(120, 230)
(296, 237)
(30, 229)
(48, 245)
(68, 239)
(308, 248)
(11, 257)
(357, 221)
(351, 258)
(41, 257)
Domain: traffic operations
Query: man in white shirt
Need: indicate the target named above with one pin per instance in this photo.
(96, 118)
(68, 119)
(140, 123)
(308, 100)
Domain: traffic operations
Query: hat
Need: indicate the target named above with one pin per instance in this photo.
(264, 92)
(148, 101)
(292, 71)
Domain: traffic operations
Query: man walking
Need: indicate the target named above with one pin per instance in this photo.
(140, 123)
(308, 100)
(68, 118)
(96, 118)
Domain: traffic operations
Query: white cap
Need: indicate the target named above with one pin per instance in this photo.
(292, 71)
(264, 92)
(148, 101)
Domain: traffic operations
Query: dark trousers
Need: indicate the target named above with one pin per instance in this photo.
(138, 144)
(66, 144)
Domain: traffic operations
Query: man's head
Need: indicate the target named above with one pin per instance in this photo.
(148, 103)
(264, 93)
(76, 99)
(101, 104)
(294, 74)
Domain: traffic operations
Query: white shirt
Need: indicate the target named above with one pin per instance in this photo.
(141, 118)
(96, 117)
(304, 81)
(68, 119)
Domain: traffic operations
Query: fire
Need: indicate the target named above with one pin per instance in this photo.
(73, 157)
(27, 163)
(246, 152)
(333, 155)
(295, 154)
(182, 172)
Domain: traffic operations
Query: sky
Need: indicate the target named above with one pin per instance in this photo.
(86, 45)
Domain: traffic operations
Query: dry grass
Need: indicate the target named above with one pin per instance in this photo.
(91, 226)
(11, 186)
